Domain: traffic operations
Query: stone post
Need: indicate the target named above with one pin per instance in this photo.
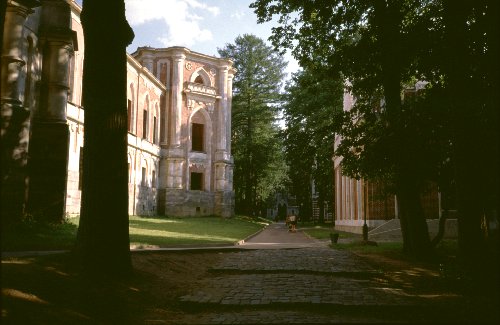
(50, 132)
(229, 104)
(177, 87)
(222, 112)
(14, 116)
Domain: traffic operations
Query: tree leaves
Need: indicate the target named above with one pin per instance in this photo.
(259, 165)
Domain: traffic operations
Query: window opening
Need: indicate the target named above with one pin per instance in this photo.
(154, 129)
(129, 112)
(145, 125)
(196, 181)
(80, 170)
(197, 137)
(199, 80)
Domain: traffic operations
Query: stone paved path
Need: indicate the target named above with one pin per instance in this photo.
(294, 279)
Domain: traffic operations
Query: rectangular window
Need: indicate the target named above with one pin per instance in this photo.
(153, 179)
(197, 137)
(145, 124)
(196, 181)
(129, 112)
(143, 179)
(154, 130)
(80, 170)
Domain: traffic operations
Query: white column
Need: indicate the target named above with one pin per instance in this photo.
(222, 113)
(12, 52)
(177, 86)
(229, 109)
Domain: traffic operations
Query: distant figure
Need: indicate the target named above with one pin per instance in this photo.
(292, 218)
(281, 211)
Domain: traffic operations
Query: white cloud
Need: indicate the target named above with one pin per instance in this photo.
(237, 15)
(182, 18)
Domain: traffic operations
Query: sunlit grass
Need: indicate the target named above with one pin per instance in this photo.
(144, 231)
(164, 232)
(319, 232)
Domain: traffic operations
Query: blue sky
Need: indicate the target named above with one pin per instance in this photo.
(200, 25)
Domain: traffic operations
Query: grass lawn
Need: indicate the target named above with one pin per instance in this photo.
(144, 232)
(323, 232)
(160, 232)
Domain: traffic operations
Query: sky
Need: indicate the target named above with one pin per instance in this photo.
(200, 25)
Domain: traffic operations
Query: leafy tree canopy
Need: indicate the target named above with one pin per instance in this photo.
(259, 165)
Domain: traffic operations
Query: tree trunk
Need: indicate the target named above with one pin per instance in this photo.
(416, 240)
(475, 141)
(103, 238)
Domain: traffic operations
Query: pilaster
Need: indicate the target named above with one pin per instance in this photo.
(15, 118)
(229, 104)
(177, 88)
(222, 112)
(50, 131)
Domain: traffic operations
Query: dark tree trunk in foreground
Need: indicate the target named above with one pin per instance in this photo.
(475, 124)
(416, 241)
(103, 237)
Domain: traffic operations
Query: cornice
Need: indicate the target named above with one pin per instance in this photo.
(143, 70)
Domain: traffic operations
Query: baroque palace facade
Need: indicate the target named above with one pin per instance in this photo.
(179, 117)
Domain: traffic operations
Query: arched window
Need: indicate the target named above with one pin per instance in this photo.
(197, 137)
(199, 80)
(198, 132)
(130, 109)
(145, 117)
(155, 124)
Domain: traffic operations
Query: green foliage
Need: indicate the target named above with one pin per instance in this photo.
(312, 114)
(260, 169)
(371, 42)
(447, 133)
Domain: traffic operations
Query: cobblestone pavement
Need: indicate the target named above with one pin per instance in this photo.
(309, 283)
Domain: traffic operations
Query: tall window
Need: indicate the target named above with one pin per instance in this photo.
(145, 124)
(143, 179)
(196, 181)
(129, 112)
(153, 179)
(132, 113)
(80, 170)
(197, 137)
(154, 129)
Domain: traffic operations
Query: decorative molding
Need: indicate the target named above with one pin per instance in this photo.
(198, 95)
(196, 88)
(189, 66)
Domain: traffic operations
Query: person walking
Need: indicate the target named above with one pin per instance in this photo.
(293, 221)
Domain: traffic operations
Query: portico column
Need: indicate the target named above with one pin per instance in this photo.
(177, 86)
(14, 116)
(229, 104)
(50, 131)
(222, 112)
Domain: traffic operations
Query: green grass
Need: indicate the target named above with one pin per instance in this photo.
(144, 232)
(34, 236)
(162, 232)
(321, 232)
